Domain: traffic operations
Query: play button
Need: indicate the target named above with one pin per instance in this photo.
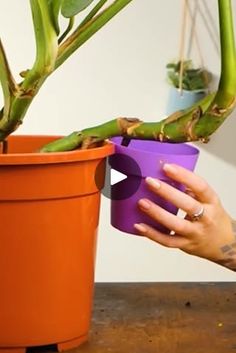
(118, 185)
(116, 177)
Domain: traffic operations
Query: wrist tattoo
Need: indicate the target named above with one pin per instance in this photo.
(229, 252)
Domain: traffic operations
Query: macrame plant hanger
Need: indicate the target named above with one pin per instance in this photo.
(187, 14)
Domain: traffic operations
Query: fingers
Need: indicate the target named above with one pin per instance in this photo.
(163, 239)
(198, 185)
(199, 236)
(178, 198)
(169, 220)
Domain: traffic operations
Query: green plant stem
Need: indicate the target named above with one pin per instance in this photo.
(48, 58)
(46, 44)
(176, 128)
(46, 54)
(7, 81)
(68, 29)
(196, 123)
(228, 54)
(92, 13)
(82, 34)
(225, 99)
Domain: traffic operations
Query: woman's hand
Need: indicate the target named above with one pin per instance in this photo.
(211, 235)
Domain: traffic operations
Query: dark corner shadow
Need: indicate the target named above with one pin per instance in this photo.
(223, 142)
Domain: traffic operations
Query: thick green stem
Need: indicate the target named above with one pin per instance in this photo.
(228, 55)
(46, 54)
(197, 123)
(46, 45)
(176, 128)
(86, 137)
(225, 99)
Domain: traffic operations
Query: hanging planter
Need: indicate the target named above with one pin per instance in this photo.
(49, 205)
(182, 100)
(189, 85)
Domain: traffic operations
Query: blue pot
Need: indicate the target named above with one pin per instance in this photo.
(179, 101)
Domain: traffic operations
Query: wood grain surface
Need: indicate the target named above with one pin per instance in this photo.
(163, 317)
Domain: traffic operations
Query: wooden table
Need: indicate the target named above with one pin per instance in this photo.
(163, 318)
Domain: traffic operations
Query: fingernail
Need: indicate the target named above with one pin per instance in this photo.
(140, 227)
(169, 168)
(144, 204)
(153, 182)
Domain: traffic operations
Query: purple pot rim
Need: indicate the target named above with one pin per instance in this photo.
(195, 150)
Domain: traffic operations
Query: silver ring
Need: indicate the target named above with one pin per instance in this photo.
(198, 215)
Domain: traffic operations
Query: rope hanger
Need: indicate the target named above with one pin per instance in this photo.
(187, 14)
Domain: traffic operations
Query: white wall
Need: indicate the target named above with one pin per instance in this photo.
(121, 71)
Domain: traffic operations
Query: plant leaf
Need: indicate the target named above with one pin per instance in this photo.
(55, 6)
(171, 66)
(173, 78)
(71, 8)
(197, 83)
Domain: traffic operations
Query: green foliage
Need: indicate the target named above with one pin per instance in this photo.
(71, 8)
(193, 78)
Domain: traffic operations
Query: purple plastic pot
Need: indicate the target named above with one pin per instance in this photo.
(150, 157)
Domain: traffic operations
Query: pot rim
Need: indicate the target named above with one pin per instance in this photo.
(190, 92)
(54, 157)
(190, 150)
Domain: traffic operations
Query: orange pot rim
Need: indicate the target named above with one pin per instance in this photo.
(55, 157)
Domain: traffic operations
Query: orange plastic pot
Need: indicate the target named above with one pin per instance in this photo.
(49, 211)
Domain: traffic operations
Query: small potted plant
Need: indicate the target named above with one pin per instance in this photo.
(49, 201)
(188, 84)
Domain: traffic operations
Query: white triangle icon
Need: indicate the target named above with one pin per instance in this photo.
(116, 176)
